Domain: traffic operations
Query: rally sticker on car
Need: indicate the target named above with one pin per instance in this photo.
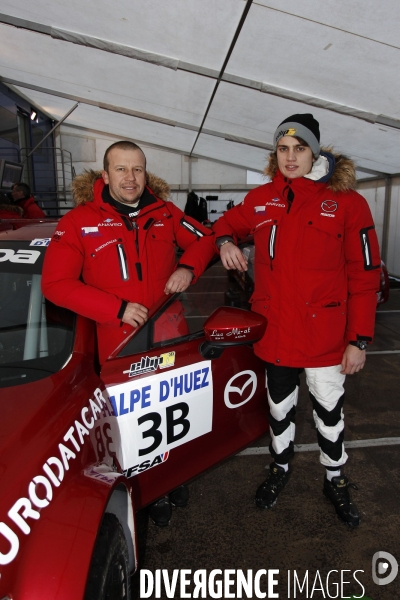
(148, 364)
(146, 465)
(20, 256)
(160, 412)
(40, 242)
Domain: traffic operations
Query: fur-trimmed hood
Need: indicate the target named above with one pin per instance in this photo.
(82, 186)
(11, 208)
(343, 178)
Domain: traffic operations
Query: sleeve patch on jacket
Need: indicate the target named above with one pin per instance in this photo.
(367, 250)
(191, 228)
(57, 235)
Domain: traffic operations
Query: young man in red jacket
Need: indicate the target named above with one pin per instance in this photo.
(316, 276)
(23, 198)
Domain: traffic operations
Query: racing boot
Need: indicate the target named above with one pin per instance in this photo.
(160, 512)
(337, 491)
(267, 493)
(180, 496)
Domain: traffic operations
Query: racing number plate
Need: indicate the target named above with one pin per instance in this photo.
(154, 414)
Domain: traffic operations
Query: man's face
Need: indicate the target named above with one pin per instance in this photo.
(126, 175)
(16, 194)
(294, 160)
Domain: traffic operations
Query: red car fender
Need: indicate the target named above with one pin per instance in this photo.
(54, 562)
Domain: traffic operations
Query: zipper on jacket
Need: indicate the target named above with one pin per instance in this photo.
(123, 265)
(135, 227)
(139, 270)
(137, 239)
(272, 242)
(289, 196)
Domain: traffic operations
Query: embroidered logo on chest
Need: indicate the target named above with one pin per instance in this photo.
(329, 206)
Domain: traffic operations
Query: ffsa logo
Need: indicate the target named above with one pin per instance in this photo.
(384, 564)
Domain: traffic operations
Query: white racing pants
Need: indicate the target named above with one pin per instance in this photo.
(326, 392)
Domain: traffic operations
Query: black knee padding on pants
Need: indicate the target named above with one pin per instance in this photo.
(329, 418)
(281, 381)
(279, 427)
(284, 456)
(331, 449)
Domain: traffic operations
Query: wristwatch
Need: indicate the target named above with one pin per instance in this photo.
(361, 344)
(224, 240)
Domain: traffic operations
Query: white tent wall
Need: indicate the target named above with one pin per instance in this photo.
(375, 192)
(393, 253)
(181, 173)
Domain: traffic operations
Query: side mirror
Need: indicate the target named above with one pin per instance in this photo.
(229, 326)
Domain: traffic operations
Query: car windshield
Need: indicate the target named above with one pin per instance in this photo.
(35, 335)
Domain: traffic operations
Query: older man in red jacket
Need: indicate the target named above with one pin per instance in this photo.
(114, 255)
(317, 271)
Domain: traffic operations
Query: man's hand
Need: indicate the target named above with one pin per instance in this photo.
(353, 360)
(179, 281)
(232, 257)
(135, 314)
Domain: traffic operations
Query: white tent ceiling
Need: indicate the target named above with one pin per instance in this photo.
(213, 78)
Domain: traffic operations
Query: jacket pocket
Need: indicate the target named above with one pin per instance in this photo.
(272, 241)
(160, 249)
(323, 246)
(261, 304)
(265, 241)
(325, 327)
(123, 263)
(106, 265)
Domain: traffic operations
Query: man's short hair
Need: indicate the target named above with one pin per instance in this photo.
(22, 187)
(123, 145)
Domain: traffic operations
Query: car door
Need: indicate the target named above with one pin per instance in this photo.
(186, 391)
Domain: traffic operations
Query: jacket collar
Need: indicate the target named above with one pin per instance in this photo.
(146, 199)
(298, 185)
(151, 200)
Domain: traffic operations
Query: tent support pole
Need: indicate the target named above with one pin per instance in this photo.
(386, 217)
(52, 130)
(190, 174)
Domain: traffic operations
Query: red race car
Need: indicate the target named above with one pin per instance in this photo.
(82, 449)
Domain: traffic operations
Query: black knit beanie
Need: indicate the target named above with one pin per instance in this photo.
(303, 126)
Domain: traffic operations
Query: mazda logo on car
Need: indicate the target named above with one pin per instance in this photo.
(246, 390)
(329, 206)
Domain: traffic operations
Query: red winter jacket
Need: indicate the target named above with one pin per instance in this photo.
(317, 265)
(95, 262)
(31, 209)
(10, 211)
